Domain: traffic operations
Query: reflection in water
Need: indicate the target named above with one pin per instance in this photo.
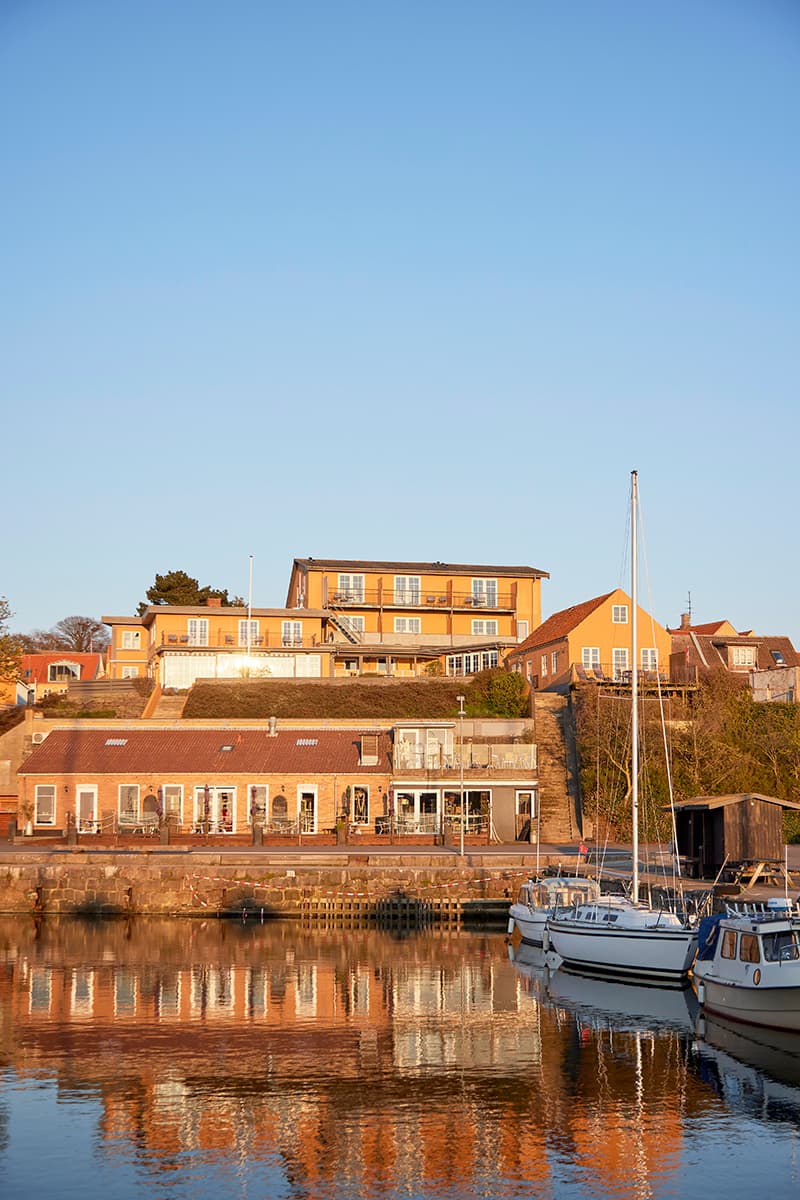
(215, 1058)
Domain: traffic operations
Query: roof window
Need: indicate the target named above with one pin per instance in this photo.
(116, 741)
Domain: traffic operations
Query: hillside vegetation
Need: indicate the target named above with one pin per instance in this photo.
(489, 694)
(719, 742)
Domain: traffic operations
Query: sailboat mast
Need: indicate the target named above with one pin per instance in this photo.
(635, 682)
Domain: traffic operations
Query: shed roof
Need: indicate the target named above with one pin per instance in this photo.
(706, 803)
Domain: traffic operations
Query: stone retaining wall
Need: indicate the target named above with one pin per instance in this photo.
(169, 883)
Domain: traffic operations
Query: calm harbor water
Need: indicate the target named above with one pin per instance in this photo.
(191, 1059)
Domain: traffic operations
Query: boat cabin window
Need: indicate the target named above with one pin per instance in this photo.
(781, 947)
(728, 948)
(748, 948)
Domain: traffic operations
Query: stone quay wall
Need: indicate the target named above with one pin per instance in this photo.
(163, 882)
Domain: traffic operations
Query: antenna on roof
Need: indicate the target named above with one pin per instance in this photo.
(689, 606)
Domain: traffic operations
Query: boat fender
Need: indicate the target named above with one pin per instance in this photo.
(545, 939)
(757, 976)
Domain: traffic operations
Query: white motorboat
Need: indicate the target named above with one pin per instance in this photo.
(541, 898)
(617, 936)
(748, 969)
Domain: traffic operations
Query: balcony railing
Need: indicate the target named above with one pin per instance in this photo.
(231, 641)
(397, 598)
(476, 756)
(616, 674)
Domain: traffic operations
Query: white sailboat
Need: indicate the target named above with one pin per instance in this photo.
(616, 936)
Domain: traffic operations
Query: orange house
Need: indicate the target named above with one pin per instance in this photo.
(592, 641)
(395, 617)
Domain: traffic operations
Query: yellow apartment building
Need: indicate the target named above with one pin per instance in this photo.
(399, 617)
(592, 641)
(343, 618)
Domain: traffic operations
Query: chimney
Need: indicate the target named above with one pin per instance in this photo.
(273, 727)
(685, 620)
(214, 602)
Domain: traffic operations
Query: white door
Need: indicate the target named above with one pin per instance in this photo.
(86, 809)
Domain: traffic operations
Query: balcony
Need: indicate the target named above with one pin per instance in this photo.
(231, 642)
(480, 758)
(428, 599)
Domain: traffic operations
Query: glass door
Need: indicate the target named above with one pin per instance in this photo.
(86, 809)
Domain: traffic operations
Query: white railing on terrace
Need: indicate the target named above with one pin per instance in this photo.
(476, 755)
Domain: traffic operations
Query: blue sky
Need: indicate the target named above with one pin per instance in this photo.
(418, 280)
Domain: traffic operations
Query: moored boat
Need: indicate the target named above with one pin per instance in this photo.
(541, 898)
(748, 969)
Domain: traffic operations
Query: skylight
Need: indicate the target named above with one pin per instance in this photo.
(307, 742)
(116, 741)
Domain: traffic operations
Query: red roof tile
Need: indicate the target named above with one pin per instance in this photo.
(35, 666)
(117, 751)
(560, 624)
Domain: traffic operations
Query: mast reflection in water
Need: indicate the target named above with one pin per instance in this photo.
(194, 1059)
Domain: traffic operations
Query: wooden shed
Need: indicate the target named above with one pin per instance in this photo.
(730, 830)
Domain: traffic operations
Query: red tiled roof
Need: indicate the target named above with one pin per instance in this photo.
(560, 624)
(34, 666)
(117, 751)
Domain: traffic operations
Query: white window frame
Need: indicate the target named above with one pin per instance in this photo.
(197, 630)
(408, 589)
(131, 639)
(408, 625)
(484, 628)
(484, 593)
(170, 810)
(254, 632)
(620, 661)
(130, 672)
(619, 614)
(554, 662)
(38, 817)
(354, 623)
(62, 672)
(522, 630)
(744, 656)
(649, 658)
(351, 587)
(91, 825)
(132, 814)
(543, 666)
(291, 633)
(590, 657)
(312, 790)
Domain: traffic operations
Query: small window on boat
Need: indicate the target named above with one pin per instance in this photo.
(728, 949)
(748, 948)
(781, 947)
(611, 917)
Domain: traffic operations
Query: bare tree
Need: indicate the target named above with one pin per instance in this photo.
(81, 635)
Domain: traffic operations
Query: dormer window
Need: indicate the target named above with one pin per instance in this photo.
(59, 672)
(369, 750)
(744, 656)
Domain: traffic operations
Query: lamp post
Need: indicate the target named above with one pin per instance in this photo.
(461, 700)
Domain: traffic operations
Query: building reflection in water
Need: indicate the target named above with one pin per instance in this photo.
(351, 1060)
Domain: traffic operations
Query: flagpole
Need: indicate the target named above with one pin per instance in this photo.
(249, 611)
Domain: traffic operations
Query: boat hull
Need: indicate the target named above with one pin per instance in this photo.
(769, 1007)
(530, 926)
(657, 955)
